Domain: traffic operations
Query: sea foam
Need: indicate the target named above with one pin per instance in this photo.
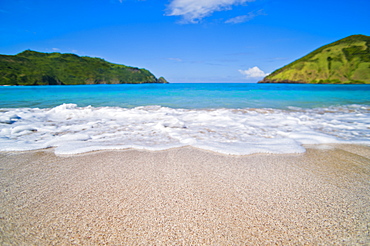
(72, 129)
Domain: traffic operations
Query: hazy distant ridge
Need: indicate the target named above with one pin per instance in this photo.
(36, 68)
(346, 61)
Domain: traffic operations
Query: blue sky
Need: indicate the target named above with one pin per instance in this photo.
(183, 40)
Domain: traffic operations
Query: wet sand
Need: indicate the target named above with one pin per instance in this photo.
(186, 196)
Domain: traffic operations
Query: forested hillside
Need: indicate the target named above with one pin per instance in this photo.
(36, 68)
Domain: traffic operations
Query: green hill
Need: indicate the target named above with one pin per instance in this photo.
(346, 61)
(36, 68)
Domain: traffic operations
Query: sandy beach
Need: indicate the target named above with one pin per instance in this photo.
(186, 196)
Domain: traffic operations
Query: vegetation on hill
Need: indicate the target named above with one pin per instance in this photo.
(36, 68)
(346, 61)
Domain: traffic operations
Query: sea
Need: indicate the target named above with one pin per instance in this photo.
(234, 119)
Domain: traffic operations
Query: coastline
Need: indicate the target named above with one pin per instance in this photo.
(186, 196)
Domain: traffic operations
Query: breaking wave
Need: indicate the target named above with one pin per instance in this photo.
(72, 129)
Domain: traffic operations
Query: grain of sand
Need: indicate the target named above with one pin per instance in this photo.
(186, 196)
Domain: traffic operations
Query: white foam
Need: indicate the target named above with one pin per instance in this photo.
(71, 129)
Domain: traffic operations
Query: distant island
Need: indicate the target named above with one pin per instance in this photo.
(37, 68)
(346, 61)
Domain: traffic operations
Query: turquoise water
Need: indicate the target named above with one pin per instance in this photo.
(227, 118)
(188, 96)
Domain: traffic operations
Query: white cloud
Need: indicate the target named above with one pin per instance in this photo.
(253, 72)
(245, 18)
(175, 59)
(192, 11)
(238, 19)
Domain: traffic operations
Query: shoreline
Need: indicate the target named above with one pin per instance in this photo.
(73, 129)
(186, 196)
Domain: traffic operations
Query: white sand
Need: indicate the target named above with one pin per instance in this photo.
(186, 196)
